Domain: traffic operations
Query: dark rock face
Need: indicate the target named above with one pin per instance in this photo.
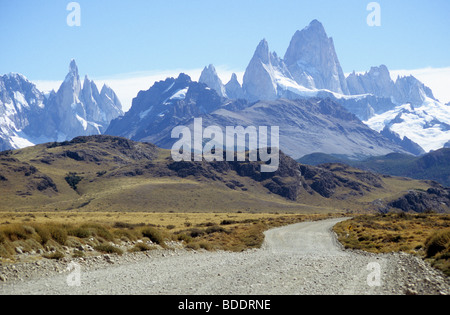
(33, 178)
(289, 180)
(436, 199)
(324, 180)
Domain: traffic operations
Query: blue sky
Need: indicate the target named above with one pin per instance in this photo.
(119, 37)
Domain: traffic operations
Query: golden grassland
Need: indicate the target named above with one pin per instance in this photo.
(55, 234)
(426, 235)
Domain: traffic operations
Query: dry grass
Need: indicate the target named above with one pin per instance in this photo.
(427, 235)
(54, 233)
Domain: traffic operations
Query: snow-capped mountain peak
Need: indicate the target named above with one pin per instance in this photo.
(27, 116)
(312, 60)
(210, 77)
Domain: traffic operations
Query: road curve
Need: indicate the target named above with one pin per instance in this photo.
(301, 259)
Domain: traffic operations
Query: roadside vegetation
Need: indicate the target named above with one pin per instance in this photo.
(71, 235)
(425, 235)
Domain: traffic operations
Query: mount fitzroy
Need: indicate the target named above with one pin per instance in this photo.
(28, 116)
(306, 93)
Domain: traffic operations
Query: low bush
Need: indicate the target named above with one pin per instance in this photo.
(59, 235)
(108, 249)
(73, 180)
(194, 233)
(437, 243)
(56, 255)
(141, 247)
(215, 229)
(154, 235)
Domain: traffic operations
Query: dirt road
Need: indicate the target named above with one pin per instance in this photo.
(299, 259)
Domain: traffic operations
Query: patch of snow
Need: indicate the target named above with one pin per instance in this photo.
(287, 84)
(19, 142)
(180, 95)
(169, 88)
(20, 100)
(423, 125)
(83, 122)
(145, 113)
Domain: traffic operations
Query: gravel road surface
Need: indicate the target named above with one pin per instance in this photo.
(299, 259)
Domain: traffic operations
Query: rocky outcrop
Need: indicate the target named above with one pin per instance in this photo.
(436, 199)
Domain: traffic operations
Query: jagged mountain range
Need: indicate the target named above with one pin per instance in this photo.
(28, 116)
(270, 94)
(404, 110)
(275, 91)
(307, 124)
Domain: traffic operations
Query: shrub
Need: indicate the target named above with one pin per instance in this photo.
(59, 235)
(215, 229)
(201, 245)
(205, 246)
(15, 233)
(56, 255)
(123, 225)
(78, 254)
(108, 249)
(43, 233)
(141, 247)
(73, 180)
(29, 230)
(98, 231)
(79, 232)
(437, 243)
(194, 246)
(185, 238)
(196, 233)
(154, 235)
(228, 222)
